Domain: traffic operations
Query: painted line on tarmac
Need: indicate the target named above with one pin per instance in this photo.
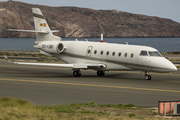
(174, 81)
(92, 85)
(4, 71)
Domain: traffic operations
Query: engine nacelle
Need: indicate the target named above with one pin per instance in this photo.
(51, 46)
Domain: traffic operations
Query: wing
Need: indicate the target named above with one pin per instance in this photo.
(73, 66)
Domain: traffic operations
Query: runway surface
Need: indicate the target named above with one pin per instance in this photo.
(52, 85)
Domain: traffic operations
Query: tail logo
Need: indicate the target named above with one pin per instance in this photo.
(43, 24)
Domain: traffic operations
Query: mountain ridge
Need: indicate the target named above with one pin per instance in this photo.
(84, 22)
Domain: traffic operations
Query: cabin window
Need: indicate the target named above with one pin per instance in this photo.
(132, 55)
(101, 52)
(95, 51)
(119, 54)
(144, 53)
(107, 53)
(125, 55)
(113, 53)
(154, 53)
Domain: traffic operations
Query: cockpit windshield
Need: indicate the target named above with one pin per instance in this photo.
(150, 53)
(154, 53)
(144, 53)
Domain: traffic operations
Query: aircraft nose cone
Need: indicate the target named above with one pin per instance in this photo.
(174, 68)
(166, 65)
(171, 66)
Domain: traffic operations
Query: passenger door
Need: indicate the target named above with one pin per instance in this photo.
(89, 50)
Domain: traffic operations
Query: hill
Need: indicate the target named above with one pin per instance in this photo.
(83, 22)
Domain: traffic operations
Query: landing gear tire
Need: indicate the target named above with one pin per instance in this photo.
(100, 73)
(77, 73)
(148, 77)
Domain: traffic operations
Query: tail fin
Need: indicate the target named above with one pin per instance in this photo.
(42, 30)
(40, 24)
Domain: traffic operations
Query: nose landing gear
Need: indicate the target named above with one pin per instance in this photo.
(147, 76)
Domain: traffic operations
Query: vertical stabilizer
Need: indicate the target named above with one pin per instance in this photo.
(40, 24)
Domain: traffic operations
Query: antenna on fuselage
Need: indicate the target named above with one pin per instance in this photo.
(126, 43)
(86, 40)
(102, 38)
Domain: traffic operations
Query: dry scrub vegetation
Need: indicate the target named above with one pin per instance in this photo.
(20, 109)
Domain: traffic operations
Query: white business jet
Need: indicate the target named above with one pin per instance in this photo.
(99, 56)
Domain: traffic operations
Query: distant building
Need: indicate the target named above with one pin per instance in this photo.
(9, 0)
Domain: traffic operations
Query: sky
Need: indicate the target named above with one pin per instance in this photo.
(161, 8)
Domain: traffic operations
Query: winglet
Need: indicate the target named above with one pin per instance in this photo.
(6, 58)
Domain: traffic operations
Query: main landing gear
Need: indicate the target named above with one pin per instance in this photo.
(76, 73)
(100, 73)
(147, 76)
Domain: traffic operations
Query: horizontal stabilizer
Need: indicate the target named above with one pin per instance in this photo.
(53, 31)
(46, 32)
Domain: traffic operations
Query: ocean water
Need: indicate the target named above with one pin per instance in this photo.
(161, 44)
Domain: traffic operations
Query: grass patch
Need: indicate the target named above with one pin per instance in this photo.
(20, 109)
(12, 102)
(129, 105)
(131, 115)
(117, 114)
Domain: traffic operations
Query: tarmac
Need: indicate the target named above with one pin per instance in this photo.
(52, 85)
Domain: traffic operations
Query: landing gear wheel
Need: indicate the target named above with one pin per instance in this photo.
(100, 73)
(77, 73)
(148, 77)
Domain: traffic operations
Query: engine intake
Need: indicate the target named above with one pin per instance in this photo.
(51, 47)
(60, 48)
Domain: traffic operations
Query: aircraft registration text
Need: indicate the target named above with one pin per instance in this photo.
(47, 46)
